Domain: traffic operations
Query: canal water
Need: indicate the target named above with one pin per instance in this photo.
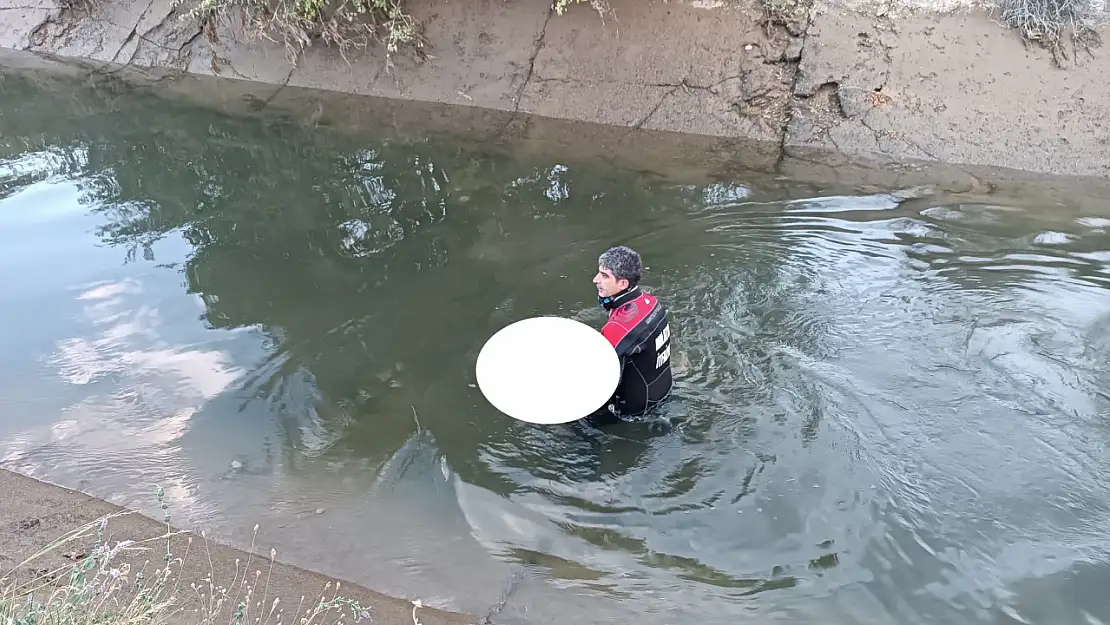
(889, 407)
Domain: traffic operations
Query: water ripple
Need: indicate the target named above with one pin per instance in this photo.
(889, 407)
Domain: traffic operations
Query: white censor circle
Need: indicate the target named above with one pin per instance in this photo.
(548, 370)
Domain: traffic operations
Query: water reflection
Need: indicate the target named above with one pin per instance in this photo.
(887, 408)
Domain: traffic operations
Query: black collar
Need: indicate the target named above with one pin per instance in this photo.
(620, 299)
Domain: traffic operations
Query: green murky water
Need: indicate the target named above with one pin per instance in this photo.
(886, 411)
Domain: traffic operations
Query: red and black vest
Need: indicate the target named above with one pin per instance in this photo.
(638, 330)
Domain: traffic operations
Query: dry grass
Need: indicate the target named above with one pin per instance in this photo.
(344, 24)
(118, 584)
(1064, 27)
(601, 6)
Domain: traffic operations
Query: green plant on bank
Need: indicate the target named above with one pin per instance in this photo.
(104, 587)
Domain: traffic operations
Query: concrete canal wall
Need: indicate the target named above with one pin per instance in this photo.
(852, 84)
(894, 94)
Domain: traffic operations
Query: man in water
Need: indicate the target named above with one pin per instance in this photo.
(638, 330)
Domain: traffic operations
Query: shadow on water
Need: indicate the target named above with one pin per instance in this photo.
(888, 408)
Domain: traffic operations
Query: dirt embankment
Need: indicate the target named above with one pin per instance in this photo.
(828, 85)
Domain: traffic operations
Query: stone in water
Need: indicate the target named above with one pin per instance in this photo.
(548, 370)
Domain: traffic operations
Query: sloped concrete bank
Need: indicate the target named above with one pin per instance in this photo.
(833, 91)
(36, 514)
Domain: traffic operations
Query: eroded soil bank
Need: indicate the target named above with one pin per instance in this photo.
(832, 85)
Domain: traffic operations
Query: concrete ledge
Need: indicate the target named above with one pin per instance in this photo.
(35, 513)
(677, 157)
(953, 88)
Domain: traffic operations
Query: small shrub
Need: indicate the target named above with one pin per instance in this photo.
(1056, 25)
(344, 24)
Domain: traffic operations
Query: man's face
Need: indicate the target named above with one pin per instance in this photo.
(607, 284)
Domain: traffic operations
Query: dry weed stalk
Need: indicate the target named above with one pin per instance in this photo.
(104, 586)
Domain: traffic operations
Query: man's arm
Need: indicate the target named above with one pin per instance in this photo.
(614, 336)
(616, 333)
(613, 333)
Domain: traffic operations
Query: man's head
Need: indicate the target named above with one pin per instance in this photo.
(619, 268)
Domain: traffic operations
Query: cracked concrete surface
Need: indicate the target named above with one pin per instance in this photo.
(137, 33)
(481, 53)
(20, 20)
(669, 67)
(532, 61)
(834, 86)
(949, 88)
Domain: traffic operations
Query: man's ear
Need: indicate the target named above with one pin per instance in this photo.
(622, 283)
